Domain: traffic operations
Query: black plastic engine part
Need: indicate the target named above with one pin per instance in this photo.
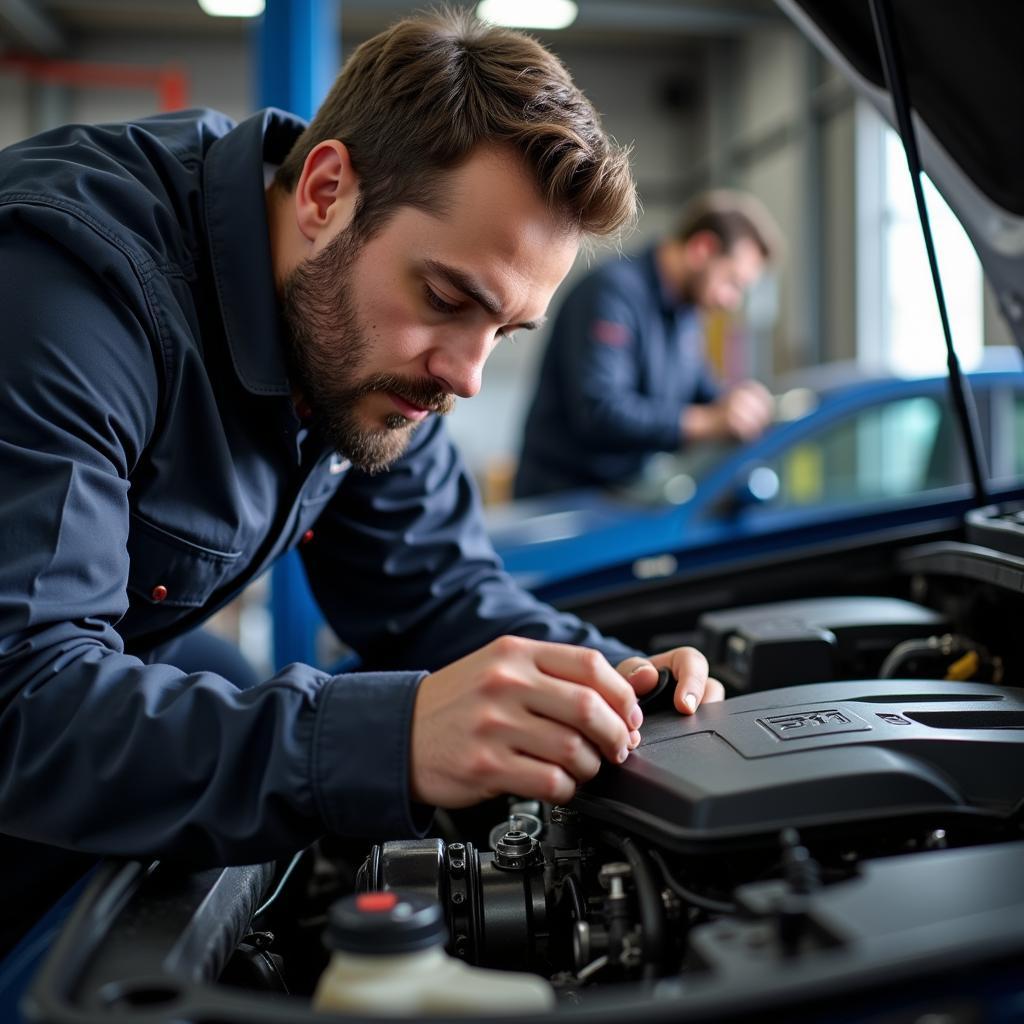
(494, 903)
(893, 909)
(997, 526)
(762, 646)
(830, 756)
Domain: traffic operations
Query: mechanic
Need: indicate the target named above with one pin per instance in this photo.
(228, 341)
(624, 374)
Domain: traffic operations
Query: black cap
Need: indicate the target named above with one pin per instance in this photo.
(384, 922)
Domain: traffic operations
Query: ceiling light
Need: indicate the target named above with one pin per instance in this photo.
(233, 8)
(528, 13)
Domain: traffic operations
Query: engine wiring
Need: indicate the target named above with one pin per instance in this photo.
(281, 883)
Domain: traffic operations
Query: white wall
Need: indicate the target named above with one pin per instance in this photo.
(840, 220)
(218, 71)
(14, 109)
(794, 140)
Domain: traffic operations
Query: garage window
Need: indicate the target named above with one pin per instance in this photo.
(897, 314)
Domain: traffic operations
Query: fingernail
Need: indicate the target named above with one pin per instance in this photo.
(622, 755)
(635, 717)
(634, 740)
(637, 669)
(690, 703)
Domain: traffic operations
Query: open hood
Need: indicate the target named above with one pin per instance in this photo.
(965, 79)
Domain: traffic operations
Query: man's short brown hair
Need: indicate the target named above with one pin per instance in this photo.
(730, 216)
(420, 97)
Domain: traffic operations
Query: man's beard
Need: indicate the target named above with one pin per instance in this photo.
(328, 345)
(692, 291)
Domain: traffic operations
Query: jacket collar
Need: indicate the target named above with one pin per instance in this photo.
(667, 300)
(239, 237)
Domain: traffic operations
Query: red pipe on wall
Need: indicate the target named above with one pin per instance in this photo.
(170, 81)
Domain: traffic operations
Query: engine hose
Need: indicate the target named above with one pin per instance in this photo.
(949, 645)
(687, 895)
(904, 652)
(652, 910)
(571, 887)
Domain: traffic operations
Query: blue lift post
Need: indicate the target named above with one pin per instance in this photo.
(297, 50)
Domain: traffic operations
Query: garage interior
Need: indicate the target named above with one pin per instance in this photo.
(711, 94)
(840, 838)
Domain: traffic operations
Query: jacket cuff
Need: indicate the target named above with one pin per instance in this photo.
(360, 755)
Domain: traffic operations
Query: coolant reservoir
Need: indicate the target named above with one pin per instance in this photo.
(388, 958)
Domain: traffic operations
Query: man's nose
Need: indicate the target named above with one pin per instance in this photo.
(459, 362)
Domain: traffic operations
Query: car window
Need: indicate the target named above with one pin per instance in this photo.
(885, 451)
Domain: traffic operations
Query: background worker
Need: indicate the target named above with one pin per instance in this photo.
(625, 375)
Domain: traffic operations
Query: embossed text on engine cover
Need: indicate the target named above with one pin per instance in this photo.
(797, 725)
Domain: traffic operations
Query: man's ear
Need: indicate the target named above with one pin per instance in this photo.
(326, 192)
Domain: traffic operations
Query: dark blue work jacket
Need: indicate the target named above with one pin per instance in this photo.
(152, 464)
(623, 360)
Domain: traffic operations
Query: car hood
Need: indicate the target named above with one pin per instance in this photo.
(965, 79)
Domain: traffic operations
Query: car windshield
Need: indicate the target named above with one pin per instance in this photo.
(674, 476)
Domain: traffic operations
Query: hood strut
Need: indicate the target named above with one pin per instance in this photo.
(895, 77)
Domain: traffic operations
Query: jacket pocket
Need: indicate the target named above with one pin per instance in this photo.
(168, 570)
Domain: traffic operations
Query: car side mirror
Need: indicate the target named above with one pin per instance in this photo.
(757, 485)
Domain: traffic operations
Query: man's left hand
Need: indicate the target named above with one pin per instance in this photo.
(693, 685)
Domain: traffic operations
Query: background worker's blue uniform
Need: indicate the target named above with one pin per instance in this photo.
(152, 464)
(623, 361)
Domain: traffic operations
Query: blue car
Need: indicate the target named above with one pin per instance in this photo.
(840, 840)
(845, 444)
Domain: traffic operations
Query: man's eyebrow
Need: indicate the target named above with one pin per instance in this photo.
(472, 288)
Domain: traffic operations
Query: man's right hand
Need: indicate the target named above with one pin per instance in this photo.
(519, 716)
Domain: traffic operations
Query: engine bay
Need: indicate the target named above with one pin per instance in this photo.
(843, 841)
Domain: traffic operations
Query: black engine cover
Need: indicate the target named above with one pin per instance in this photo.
(820, 755)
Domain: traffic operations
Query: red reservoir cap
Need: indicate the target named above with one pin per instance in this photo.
(376, 902)
(384, 922)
